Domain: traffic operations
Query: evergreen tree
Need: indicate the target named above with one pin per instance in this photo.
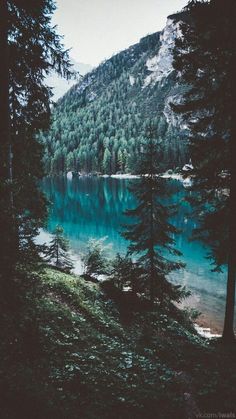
(106, 164)
(57, 251)
(95, 262)
(30, 48)
(205, 58)
(151, 234)
(108, 115)
(125, 272)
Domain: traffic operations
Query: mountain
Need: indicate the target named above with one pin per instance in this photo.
(100, 123)
(61, 85)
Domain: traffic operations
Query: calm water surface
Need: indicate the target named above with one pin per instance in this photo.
(92, 208)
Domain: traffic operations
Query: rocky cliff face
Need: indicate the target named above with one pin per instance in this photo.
(160, 66)
(100, 123)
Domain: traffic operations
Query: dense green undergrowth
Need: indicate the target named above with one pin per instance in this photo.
(68, 351)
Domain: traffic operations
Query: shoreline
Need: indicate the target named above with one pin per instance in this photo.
(123, 176)
(204, 324)
(203, 328)
(206, 332)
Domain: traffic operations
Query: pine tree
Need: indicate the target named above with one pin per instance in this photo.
(30, 48)
(95, 262)
(125, 272)
(120, 158)
(8, 235)
(151, 234)
(205, 58)
(106, 164)
(57, 251)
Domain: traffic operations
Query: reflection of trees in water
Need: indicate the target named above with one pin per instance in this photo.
(92, 207)
(87, 205)
(99, 201)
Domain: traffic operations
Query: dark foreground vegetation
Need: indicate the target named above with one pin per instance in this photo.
(68, 350)
(75, 349)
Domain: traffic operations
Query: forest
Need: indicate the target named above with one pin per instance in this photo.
(100, 124)
(75, 346)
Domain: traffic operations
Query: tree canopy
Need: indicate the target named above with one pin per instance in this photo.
(30, 48)
(205, 59)
(151, 234)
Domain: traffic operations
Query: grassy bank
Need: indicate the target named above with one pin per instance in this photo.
(68, 351)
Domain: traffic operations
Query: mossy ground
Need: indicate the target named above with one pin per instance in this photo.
(68, 352)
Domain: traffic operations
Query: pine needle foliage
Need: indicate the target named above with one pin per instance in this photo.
(57, 252)
(205, 58)
(95, 261)
(150, 233)
(30, 49)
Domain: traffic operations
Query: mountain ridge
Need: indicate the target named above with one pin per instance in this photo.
(100, 123)
(60, 85)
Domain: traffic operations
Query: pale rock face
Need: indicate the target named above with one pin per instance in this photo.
(92, 96)
(173, 118)
(161, 64)
(86, 83)
(131, 80)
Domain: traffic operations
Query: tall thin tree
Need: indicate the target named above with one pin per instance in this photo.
(8, 242)
(151, 235)
(58, 250)
(205, 58)
(30, 48)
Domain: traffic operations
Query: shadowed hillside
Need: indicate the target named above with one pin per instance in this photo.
(78, 350)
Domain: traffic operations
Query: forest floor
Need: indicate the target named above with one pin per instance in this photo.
(68, 351)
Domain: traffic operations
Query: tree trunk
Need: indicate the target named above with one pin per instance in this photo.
(228, 332)
(4, 92)
(57, 257)
(152, 252)
(8, 249)
(152, 279)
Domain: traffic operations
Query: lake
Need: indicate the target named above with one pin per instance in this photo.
(92, 207)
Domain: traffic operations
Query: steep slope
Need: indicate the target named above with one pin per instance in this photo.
(100, 123)
(73, 353)
(60, 85)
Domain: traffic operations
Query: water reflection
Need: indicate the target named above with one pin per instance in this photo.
(93, 208)
(88, 208)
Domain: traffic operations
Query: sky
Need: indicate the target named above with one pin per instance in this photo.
(97, 29)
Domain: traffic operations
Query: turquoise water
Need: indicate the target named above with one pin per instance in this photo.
(88, 207)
